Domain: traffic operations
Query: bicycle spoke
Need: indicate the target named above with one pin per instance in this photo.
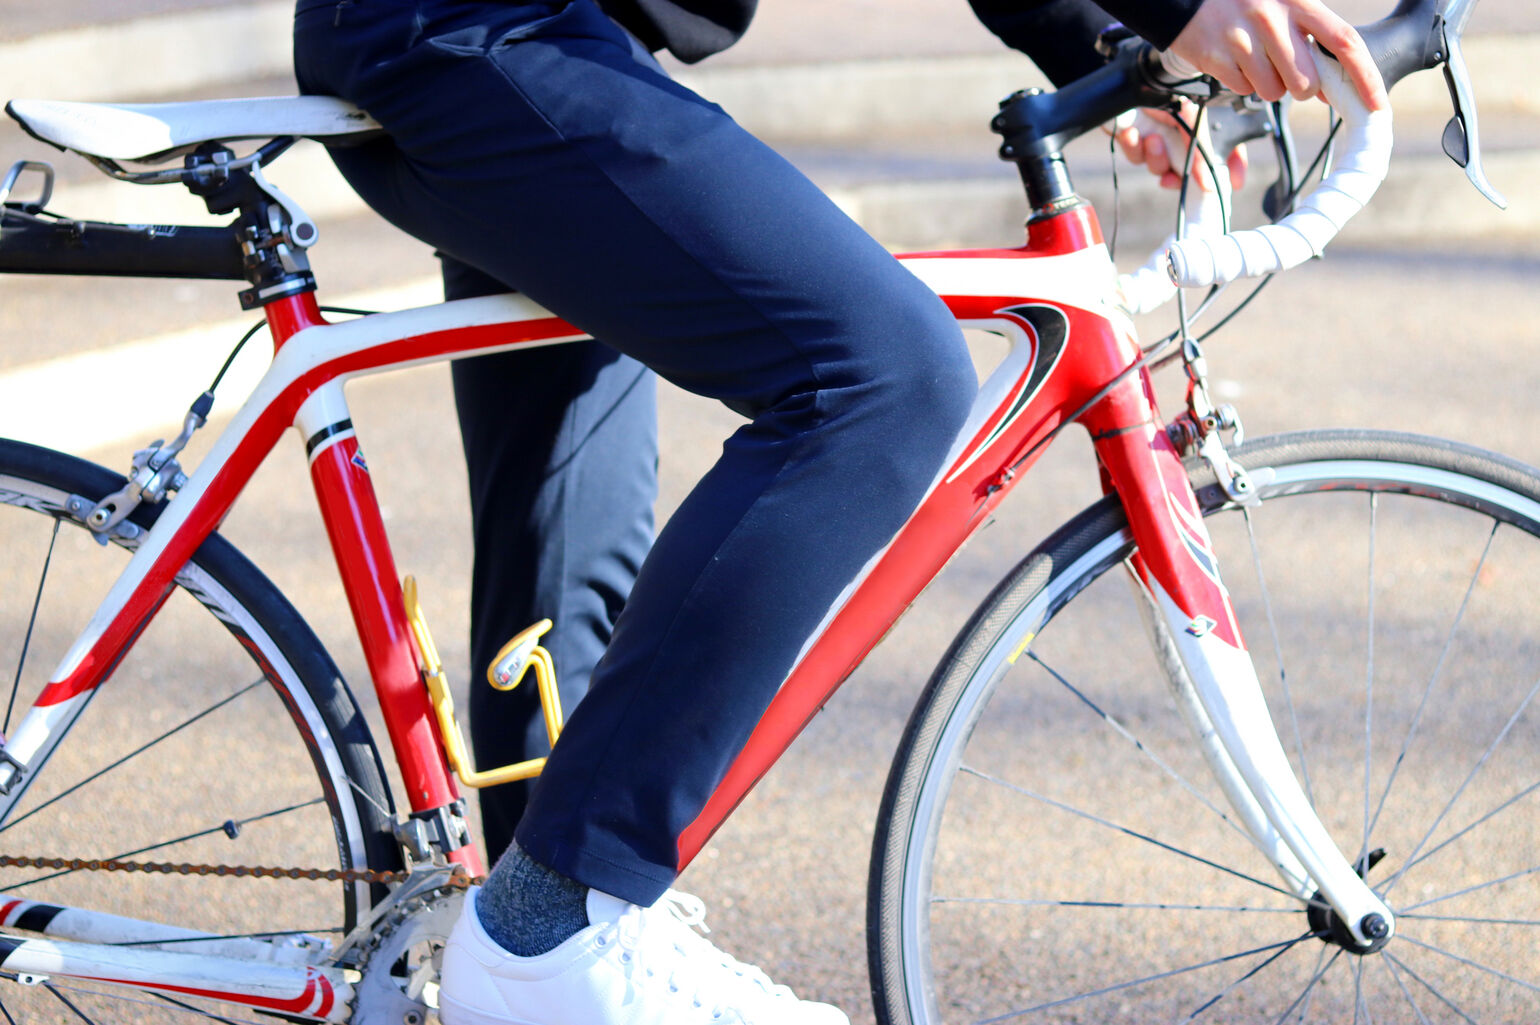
(1138, 744)
(293, 781)
(198, 1010)
(1469, 963)
(1158, 976)
(1476, 886)
(1491, 814)
(1438, 669)
(1459, 791)
(1111, 905)
(989, 778)
(146, 998)
(66, 1002)
(1402, 915)
(1374, 507)
(1217, 997)
(98, 774)
(364, 795)
(1308, 992)
(1283, 675)
(1367, 587)
(228, 936)
(1390, 966)
(26, 642)
(1400, 962)
(171, 843)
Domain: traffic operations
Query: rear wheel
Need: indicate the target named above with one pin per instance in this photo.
(1051, 847)
(225, 737)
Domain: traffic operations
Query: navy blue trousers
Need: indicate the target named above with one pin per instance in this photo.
(528, 141)
(561, 455)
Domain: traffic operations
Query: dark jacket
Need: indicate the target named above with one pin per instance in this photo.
(1056, 34)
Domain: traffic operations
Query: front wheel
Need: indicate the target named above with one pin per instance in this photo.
(1051, 847)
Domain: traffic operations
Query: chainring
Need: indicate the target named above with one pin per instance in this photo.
(400, 975)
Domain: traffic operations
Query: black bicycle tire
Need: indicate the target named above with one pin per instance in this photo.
(896, 826)
(294, 644)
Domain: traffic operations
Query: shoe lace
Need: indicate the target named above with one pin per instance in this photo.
(662, 942)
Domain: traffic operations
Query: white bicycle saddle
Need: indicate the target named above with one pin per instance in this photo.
(156, 132)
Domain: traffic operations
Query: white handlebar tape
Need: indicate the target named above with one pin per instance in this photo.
(1150, 287)
(1365, 143)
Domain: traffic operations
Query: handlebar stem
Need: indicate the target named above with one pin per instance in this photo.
(1035, 126)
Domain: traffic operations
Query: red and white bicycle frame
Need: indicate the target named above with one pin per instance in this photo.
(1055, 300)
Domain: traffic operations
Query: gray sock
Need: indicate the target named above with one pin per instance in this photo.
(529, 909)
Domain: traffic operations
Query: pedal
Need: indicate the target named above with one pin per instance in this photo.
(510, 666)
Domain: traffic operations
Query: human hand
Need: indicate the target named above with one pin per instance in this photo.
(1154, 139)
(1261, 46)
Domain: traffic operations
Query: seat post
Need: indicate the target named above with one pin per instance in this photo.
(273, 234)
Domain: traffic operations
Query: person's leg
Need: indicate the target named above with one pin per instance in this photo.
(537, 149)
(561, 458)
(527, 141)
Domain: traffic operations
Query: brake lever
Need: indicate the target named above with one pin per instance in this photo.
(1231, 125)
(1279, 199)
(1462, 138)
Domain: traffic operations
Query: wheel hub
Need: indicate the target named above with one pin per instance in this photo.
(1329, 927)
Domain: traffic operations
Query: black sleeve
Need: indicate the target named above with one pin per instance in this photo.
(1058, 34)
(689, 29)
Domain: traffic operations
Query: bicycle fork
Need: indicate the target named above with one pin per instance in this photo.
(1216, 687)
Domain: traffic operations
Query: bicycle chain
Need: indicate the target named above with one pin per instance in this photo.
(346, 875)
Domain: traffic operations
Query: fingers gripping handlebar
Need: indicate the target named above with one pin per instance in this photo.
(1366, 140)
(1417, 35)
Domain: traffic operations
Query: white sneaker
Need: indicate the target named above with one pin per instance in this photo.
(632, 966)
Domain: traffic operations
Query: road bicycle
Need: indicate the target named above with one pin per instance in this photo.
(1144, 820)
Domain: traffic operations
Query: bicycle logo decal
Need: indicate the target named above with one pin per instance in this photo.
(1048, 328)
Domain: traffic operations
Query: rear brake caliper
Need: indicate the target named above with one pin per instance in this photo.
(155, 474)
